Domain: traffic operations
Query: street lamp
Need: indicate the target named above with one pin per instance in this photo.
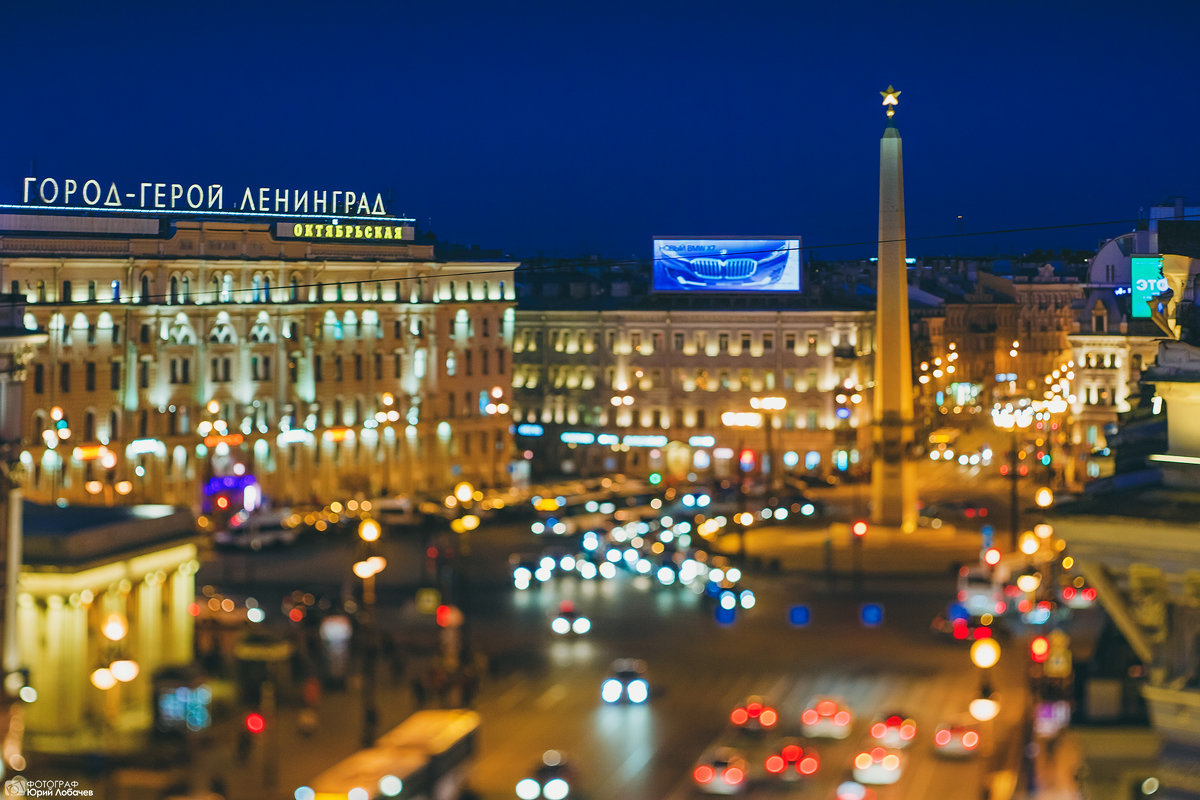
(119, 669)
(366, 569)
(741, 421)
(984, 655)
(769, 405)
(1013, 419)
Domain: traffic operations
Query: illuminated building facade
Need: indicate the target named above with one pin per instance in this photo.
(312, 368)
(638, 391)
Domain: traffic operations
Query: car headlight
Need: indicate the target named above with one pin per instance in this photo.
(610, 691)
(638, 691)
(556, 789)
(581, 625)
(560, 625)
(528, 789)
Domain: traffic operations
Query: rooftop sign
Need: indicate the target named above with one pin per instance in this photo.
(78, 194)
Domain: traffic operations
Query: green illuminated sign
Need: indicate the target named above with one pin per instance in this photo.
(1147, 282)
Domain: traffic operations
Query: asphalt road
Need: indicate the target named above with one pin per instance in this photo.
(544, 691)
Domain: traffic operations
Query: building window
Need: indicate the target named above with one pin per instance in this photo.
(39, 378)
(745, 342)
(64, 377)
(483, 362)
(174, 371)
(700, 418)
(499, 360)
(722, 342)
(337, 364)
(468, 362)
(317, 371)
(293, 371)
(768, 342)
(145, 335)
(396, 366)
(116, 291)
(635, 341)
(114, 376)
(144, 374)
(789, 342)
(656, 341)
(358, 367)
(379, 366)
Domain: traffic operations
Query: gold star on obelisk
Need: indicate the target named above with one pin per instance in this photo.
(891, 99)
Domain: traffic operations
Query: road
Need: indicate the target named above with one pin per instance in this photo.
(544, 691)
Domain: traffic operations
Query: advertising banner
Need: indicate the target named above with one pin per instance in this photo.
(727, 265)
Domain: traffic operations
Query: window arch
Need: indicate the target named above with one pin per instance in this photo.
(174, 299)
(333, 326)
(180, 331)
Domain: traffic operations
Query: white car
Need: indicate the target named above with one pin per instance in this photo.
(826, 718)
(955, 740)
(627, 681)
(570, 621)
(878, 765)
(720, 771)
(894, 731)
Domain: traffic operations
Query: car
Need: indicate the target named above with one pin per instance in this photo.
(791, 760)
(570, 621)
(879, 765)
(853, 790)
(626, 681)
(1078, 594)
(895, 730)
(956, 739)
(958, 624)
(827, 718)
(754, 715)
(551, 779)
(721, 770)
(724, 263)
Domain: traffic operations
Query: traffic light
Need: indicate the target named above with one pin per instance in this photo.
(859, 528)
(442, 616)
(1039, 649)
(1004, 469)
(255, 722)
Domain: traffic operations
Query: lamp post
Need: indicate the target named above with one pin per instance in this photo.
(1013, 419)
(984, 655)
(769, 405)
(741, 421)
(366, 569)
(119, 669)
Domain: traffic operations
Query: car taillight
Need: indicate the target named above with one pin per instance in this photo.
(942, 737)
(703, 773)
(808, 765)
(826, 707)
(1068, 592)
(775, 764)
(970, 739)
(792, 751)
(841, 718)
(754, 709)
(1089, 594)
(739, 716)
(878, 730)
(733, 776)
(908, 731)
(809, 717)
(862, 760)
(891, 762)
(768, 717)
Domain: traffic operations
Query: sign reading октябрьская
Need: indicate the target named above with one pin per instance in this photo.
(150, 196)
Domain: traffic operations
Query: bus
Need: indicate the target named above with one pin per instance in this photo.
(426, 757)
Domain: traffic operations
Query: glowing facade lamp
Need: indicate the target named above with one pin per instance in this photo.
(103, 679)
(985, 653)
(1029, 543)
(362, 570)
(463, 492)
(1043, 531)
(1044, 497)
(115, 627)
(124, 669)
(376, 564)
(369, 530)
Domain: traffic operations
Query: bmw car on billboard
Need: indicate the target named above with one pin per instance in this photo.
(727, 265)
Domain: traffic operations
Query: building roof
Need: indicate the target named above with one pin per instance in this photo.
(80, 536)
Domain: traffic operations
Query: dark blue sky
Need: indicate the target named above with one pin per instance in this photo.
(564, 128)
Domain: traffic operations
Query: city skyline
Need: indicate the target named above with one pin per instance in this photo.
(563, 132)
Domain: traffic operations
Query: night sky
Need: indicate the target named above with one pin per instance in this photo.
(564, 128)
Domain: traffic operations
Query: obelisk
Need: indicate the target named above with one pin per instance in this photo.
(893, 473)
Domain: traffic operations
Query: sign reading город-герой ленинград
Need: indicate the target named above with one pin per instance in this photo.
(70, 193)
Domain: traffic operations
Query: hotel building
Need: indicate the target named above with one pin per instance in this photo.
(264, 355)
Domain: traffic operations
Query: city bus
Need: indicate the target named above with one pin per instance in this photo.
(426, 757)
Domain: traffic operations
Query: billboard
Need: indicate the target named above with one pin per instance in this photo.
(727, 265)
(1147, 282)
